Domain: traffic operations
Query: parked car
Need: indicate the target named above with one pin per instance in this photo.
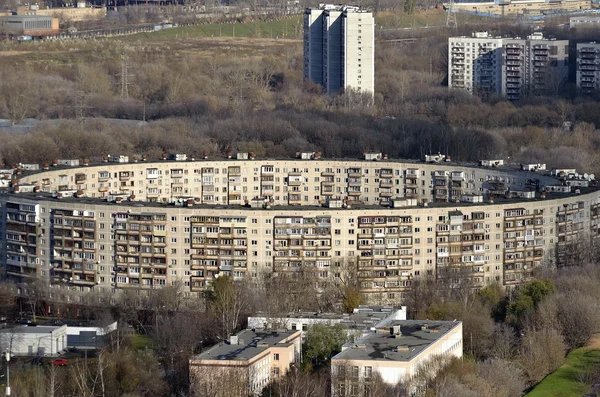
(61, 362)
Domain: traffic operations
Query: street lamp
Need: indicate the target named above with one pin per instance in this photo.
(7, 356)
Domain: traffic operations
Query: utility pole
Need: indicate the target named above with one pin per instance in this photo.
(451, 16)
(124, 77)
(7, 356)
(80, 108)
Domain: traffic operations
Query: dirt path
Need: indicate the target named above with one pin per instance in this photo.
(9, 53)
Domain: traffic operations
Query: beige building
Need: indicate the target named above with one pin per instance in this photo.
(588, 67)
(339, 48)
(511, 67)
(146, 225)
(245, 364)
(520, 7)
(394, 354)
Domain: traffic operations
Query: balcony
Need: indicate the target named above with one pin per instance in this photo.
(354, 173)
(80, 178)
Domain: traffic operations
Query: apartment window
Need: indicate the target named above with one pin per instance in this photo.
(304, 327)
(293, 327)
(276, 356)
(368, 372)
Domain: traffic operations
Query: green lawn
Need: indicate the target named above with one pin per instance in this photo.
(140, 342)
(563, 382)
(288, 27)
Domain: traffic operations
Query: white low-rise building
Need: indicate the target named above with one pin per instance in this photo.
(363, 318)
(43, 341)
(395, 353)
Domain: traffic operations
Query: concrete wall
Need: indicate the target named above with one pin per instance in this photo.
(44, 343)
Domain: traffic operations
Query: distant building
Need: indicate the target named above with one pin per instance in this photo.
(394, 353)
(245, 364)
(42, 341)
(28, 25)
(339, 48)
(588, 67)
(519, 7)
(474, 63)
(512, 67)
(584, 21)
(363, 318)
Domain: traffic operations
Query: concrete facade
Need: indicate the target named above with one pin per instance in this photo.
(510, 67)
(363, 318)
(246, 363)
(395, 353)
(30, 25)
(521, 7)
(339, 48)
(588, 67)
(43, 341)
(147, 225)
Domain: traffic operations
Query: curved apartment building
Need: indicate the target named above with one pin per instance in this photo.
(145, 225)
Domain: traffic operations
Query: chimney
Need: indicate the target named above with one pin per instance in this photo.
(233, 340)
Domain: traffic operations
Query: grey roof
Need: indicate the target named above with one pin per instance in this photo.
(381, 346)
(26, 329)
(247, 346)
(24, 17)
(37, 196)
(365, 317)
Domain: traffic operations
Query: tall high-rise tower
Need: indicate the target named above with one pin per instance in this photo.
(339, 48)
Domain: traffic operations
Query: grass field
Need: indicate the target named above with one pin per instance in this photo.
(563, 382)
(292, 27)
(140, 342)
(284, 28)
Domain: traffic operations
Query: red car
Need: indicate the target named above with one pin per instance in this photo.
(60, 362)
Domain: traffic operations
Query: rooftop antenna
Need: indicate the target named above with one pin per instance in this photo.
(451, 16)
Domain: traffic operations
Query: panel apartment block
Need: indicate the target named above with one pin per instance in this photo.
(511, 67)
(474, 63)
(588, 67)
(146, 225)
(339, 48)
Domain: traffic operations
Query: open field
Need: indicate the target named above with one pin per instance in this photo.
(564, 381)
(419, 19)
(284, 28)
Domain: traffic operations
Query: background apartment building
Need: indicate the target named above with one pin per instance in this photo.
(339, 48)
(588, 67)
(511, 67)
(474, 63)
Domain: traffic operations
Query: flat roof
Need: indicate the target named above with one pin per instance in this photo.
(28, 329)
(23, 17)
(381, 346)
(247, 346)
(38, 196)
(212, 159)
(364, 317)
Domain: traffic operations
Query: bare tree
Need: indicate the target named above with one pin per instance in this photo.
(227, 300)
